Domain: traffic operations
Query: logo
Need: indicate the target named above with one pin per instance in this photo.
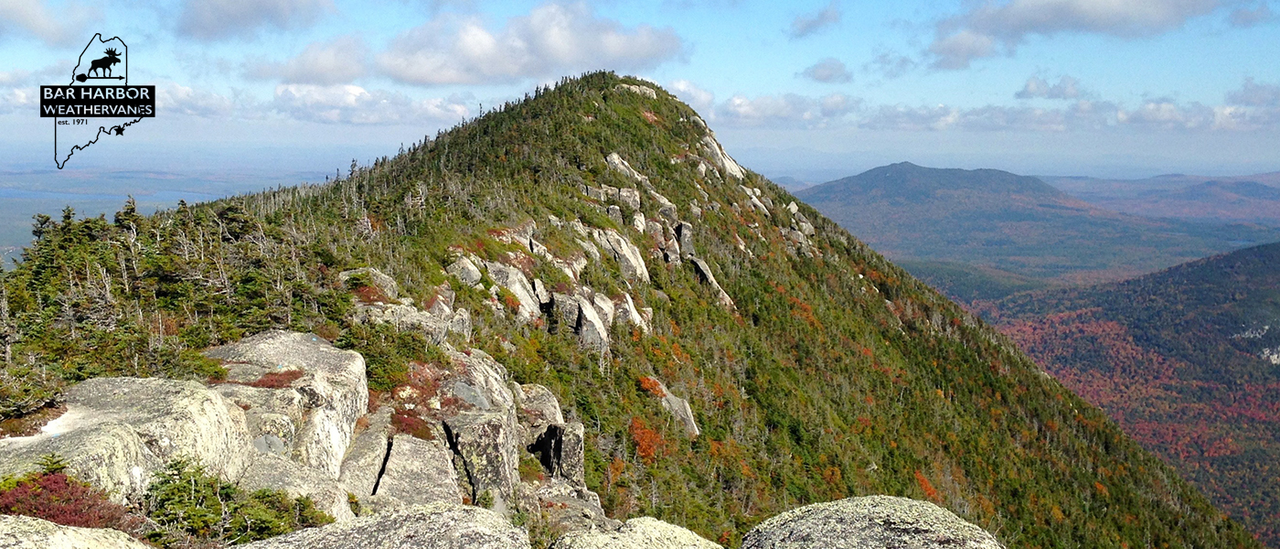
(98, 102)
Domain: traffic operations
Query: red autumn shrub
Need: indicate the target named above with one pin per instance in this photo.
(56, 498)
(277, 380)
(653, 386)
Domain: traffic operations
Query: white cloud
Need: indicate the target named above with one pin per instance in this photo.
(214, 19)
(977, 32)
(338, 61)
(1079, 115)
(829, 70)
(805, 25)
(1245, 17)
(1253, 94)
(178, 99)
(349, 104)
(33, 18)
(14, 77)
(1038, 88)
(1167, 114)
(19, 99)
(785, 110)
(701, 100)
(552, 40)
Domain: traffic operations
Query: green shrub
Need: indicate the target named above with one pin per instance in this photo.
(191, 506)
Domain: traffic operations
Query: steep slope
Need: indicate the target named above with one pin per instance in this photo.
(809, 367)
(1186, 360)
(995, 219)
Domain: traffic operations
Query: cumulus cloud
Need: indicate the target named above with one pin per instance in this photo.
(1038, 88)
(701, 100)
(890, 64)
(349, 104)
(1079, 115)
(215, 19)
(829, 70)
(553, 39)
(807, 24)
(31, 17)
(1245, 17)
(338, 61)
(785, 110)
(19, 99)
(1253, 94)
(178, 99)
(990, 28)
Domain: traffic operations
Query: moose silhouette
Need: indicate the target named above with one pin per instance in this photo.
(104, 64)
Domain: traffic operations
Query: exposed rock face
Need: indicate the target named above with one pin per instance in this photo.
(869, 522)
(704, 272)
(19, 532)
(419, 472)
(720, 158)
(484, 434)
(382, 282)
(514, 281)
(626, 253)
(616, 163)
(465, 270)
(593, 333)
(277, 472)
(334, 389)
(435, 324)
(118, 431)
(637, 533)
(366, 455)
(642, 90)
(435, 526)
(679, 409)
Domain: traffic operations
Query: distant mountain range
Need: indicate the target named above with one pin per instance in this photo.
(1010, 227)
(1187, 360)
(1244, 199)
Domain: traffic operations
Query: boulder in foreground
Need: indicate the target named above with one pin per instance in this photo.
(869, 522)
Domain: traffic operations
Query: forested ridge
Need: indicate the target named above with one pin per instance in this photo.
(833, 373)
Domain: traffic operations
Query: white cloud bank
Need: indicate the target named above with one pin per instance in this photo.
(552, 40)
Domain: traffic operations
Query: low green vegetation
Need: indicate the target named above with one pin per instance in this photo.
(193, 508)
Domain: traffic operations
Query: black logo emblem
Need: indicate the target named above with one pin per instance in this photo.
(77, 107)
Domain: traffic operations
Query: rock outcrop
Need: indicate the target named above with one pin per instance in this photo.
(869, 522)
(333, 389)
(704, 273)
(637, 533)
(435, 526)
(19, 532)
(117, 432)
(418, 472)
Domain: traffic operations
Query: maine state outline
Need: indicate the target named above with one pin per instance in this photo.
(101, 63)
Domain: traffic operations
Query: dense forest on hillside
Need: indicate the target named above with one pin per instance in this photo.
(1182, 359)
(834, 373)
(977, 233)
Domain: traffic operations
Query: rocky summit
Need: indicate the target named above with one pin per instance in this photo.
(575, 321)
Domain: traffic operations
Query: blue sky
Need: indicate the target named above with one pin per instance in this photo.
(817, 90)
